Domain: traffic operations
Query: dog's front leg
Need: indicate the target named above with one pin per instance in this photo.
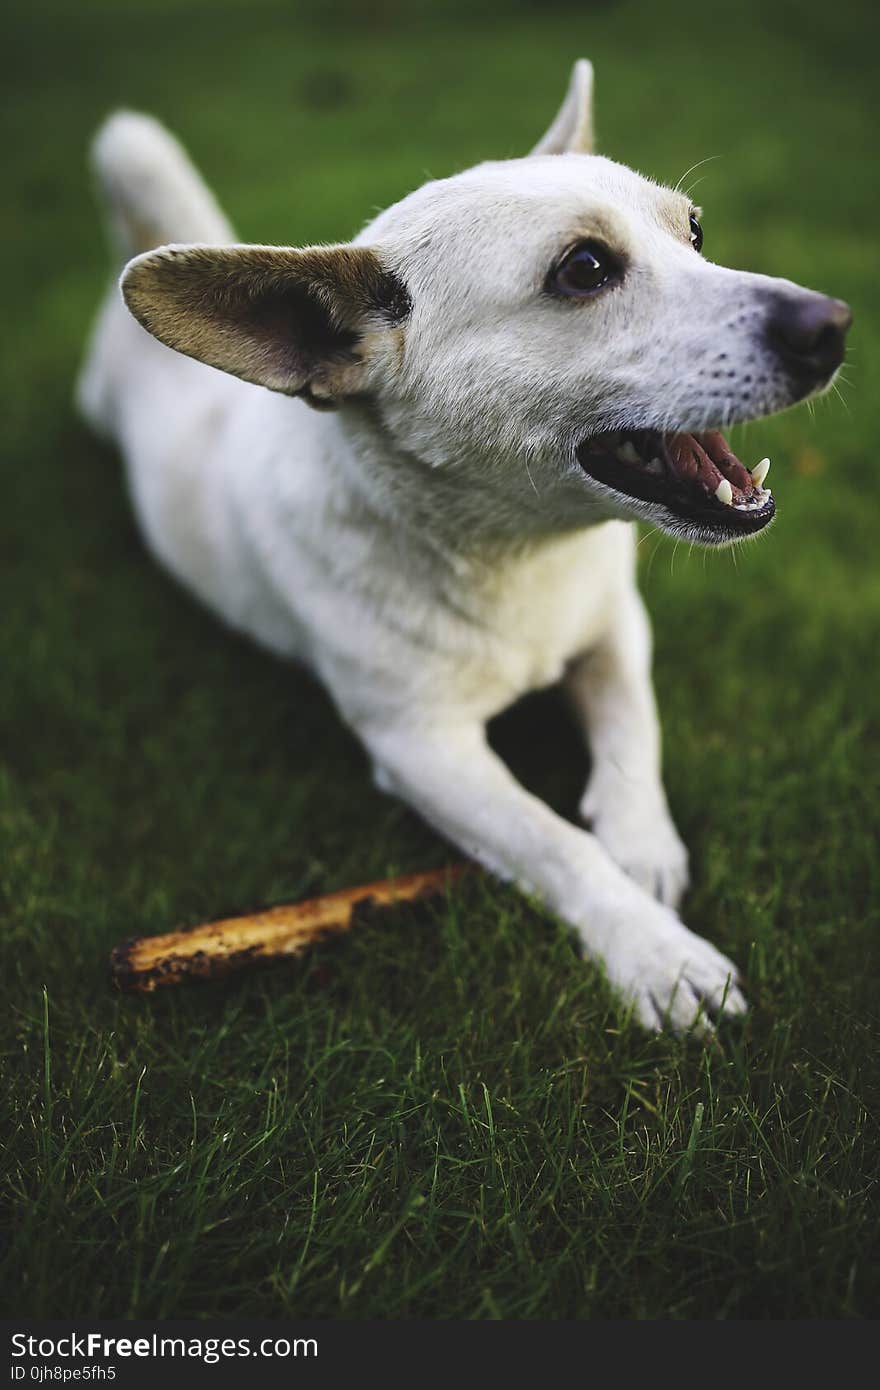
(447, 771)
(624, 801)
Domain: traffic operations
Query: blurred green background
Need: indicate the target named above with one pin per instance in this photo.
(452, 1117)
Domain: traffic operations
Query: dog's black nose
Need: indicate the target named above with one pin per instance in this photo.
(809, 331)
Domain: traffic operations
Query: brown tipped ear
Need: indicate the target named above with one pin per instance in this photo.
(292, 320)
(572, 131)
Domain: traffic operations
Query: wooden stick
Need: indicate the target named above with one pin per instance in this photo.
(213, 949)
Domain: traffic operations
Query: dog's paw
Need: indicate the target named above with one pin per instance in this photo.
(672, 977)
(639, 835)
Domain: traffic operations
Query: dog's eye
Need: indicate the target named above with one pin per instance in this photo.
(696, 234)
(583, 270)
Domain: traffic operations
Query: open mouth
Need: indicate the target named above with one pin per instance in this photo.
(696, 477)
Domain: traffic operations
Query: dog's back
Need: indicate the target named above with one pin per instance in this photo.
(151, 194)
(169, 415)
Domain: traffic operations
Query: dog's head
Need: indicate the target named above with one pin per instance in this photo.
(544, 329)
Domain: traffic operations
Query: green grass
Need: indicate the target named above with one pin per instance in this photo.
(447, 1117)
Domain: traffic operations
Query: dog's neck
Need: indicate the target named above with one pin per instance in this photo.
(461, 508)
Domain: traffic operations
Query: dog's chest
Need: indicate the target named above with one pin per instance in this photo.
(542, 608)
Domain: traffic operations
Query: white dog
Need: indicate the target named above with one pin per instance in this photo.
(511, 366)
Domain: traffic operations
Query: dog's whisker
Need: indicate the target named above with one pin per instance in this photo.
(655, 535)
(673, 555)
(689, 191)
(700, 162)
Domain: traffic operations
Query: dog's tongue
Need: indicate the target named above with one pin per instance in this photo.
(704, 459)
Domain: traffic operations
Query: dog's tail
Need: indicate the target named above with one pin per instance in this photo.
(152, 194)
(152, 191)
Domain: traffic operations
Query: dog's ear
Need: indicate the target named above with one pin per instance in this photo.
(572, 131)
(297, 321)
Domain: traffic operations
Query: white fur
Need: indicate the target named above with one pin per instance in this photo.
(431, 549)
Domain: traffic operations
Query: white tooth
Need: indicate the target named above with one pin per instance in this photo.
(724, 492)
(760, 471)
(628, 452)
